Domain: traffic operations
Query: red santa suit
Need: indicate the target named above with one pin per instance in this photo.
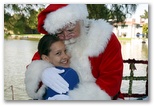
(96, 57)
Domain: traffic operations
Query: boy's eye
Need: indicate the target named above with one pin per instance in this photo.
(58, 53)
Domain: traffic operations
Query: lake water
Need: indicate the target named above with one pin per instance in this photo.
(18, 54)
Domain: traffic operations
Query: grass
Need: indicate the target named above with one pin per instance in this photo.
(38, 36)
(24, 36)
(31, 35)
(122, 38)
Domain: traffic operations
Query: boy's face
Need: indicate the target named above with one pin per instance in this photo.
(58, 55)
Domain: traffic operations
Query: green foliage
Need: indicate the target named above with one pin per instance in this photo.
(32, 19)
(145, 16)
(97, 11)
(21, 18)
(145, 29)
(145, 26)
(111, 12)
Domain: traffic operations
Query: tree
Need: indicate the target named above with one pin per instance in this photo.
(21, 18)
(145, 29)
(145, 26)
(114, 12)
(97, 11)
(145, 15)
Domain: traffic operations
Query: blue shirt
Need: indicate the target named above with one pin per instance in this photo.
(70, 76)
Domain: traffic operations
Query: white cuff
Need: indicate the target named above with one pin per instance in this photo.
(33, 78)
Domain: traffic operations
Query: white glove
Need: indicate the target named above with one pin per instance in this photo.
(52, 79)
(59, 97)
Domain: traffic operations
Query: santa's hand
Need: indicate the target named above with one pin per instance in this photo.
(60, 97)
(52, 79)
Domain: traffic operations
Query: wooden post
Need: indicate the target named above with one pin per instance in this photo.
(12, 92)
(147, 81)
(132, 68)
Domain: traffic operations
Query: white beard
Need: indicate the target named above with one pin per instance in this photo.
(77, 40)
(77, 49)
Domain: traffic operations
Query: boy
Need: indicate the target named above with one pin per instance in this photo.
(53, 50)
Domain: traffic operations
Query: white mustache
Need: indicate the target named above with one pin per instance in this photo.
(70, 41)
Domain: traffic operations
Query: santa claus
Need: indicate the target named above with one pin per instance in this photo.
(95, 55)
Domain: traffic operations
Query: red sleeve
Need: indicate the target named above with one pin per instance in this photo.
(36, 56)
(108, 67)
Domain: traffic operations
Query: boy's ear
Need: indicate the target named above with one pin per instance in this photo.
(45, 58)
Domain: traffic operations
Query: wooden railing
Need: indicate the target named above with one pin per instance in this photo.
(132, 67)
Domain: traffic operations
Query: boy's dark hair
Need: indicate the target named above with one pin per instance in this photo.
(45, 42)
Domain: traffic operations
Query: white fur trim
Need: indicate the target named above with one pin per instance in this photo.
(33, 77)
(80, 62)
(88, 91)
(61, 17)
(98, 36)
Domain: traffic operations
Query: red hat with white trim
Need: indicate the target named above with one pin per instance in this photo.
(56, 16)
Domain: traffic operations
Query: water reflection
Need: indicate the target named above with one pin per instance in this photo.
(134, 49)
(18, 54)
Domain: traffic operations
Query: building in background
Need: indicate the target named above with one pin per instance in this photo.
(130, 28)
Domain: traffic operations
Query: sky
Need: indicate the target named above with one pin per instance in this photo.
(140, 10)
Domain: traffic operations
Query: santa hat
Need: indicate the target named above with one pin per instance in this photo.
(56, 16)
